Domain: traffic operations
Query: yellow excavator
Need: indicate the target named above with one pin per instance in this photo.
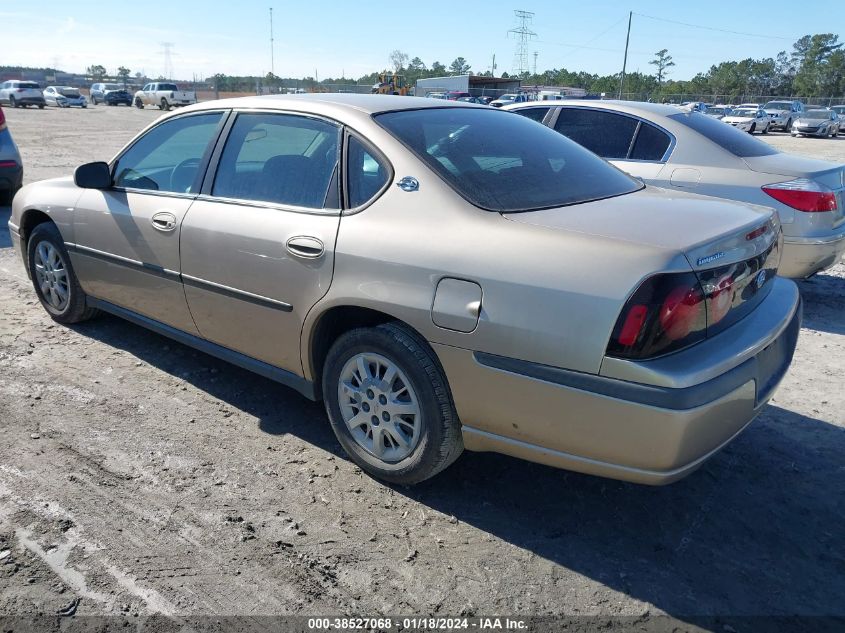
(391, 84)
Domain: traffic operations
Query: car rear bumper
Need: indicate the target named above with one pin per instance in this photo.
(30, 101)
(804, 257)
(619, 429)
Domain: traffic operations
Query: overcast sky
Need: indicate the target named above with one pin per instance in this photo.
(334, 38)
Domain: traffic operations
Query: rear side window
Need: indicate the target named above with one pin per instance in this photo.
(279, 158)
(651, 143)
(536, 114)
(168, 157)
(366, 174)
(505, 163)
(604, 133)
(727, 137)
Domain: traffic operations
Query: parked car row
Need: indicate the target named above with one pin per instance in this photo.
(25, 93)
(447, 277)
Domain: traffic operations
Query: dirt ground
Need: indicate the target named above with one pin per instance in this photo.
(140, 477)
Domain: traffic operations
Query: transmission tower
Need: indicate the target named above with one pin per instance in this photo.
(523, 34)
(168, 61)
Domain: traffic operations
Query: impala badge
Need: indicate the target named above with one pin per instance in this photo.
(710, 258)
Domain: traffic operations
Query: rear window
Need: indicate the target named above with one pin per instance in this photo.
(167, 87)
(505, 163)
(29, 84)
(727, 137)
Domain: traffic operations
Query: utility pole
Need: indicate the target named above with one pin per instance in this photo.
(168, 62)
(625, 60)
(493, 67)
(272, 46)
(535, 62)
(523, 35)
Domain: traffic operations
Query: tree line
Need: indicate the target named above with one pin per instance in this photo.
(815, 67)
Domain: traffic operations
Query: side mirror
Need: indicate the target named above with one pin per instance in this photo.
(93, 176)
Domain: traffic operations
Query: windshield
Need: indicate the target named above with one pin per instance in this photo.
(507, 98)
(778, 105)
(112, 87)
(69, 92)
(816, 114)
(712, 110)
(725, 136)
(502, 162)
(838, 109)
(744, 112)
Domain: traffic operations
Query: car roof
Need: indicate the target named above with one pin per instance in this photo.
(631, 107)
(327, 103)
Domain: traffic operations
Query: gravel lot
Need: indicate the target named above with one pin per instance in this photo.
(143, 478)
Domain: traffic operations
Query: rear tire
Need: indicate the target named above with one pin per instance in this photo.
(753, 127)
(13, 103)
(788, 127)
(765, 129)
(409, 419)
(53, 277)
(93, 100)
(164, 105)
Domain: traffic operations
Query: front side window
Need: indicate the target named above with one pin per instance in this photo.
(604, 133)
(278, 158)
(366, 173)
(504, 163)
(168, 157)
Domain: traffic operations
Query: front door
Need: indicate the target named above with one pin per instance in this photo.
(258, 245)
(126, 239)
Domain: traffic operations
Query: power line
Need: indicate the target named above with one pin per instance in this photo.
(577, 47)
(523, 35)
(711, 28)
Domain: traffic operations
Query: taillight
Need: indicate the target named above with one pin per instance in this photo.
(2, 119)
(8, 164)
(671, 311)
(803, 194)
(665, 314)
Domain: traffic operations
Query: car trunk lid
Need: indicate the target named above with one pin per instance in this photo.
(709, 232)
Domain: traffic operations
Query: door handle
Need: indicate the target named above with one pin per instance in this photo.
(164, 221)
(305, 247)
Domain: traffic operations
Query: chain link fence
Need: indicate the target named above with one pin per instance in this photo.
(727, 99)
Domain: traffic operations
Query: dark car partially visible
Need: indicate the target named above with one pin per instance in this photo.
(11, 166)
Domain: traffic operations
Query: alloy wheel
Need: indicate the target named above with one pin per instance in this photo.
(379, 406)
(51, 274)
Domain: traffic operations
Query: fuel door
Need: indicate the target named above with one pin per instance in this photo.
(457, 304)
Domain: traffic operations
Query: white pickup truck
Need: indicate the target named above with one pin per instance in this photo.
(164, 95)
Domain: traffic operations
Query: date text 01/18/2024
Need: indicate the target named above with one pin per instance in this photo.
(417, 624)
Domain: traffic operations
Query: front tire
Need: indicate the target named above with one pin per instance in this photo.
(389, 404)
(765, 129)
(13, 103)
(93, 100)
(53, 278)
(753, 127)
(139, 104)
(788, 126)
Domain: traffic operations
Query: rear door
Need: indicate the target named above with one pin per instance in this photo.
(126, 238)
(257, 247)
(635, 146)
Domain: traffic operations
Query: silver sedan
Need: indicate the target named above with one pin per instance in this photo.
(443, 275)
(695, 153)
